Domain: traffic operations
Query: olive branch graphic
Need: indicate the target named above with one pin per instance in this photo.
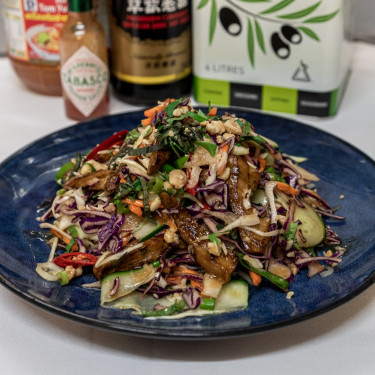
(293, 25)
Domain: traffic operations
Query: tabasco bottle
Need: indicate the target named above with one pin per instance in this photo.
(84, 63)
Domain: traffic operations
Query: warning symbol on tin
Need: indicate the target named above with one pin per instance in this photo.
(301, 74)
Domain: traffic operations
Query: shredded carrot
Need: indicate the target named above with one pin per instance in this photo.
(150, 113)
(262, 164)
(147, 121)
(65, 239)
(186, 271)
(135, 209)
(122, 180)
(225, 148)
(125, 240)
(287, 188)
(173, 279)
(136, 202)
(255, 278)
(212, 112)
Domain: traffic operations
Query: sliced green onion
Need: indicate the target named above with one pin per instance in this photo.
(69, 246)
(121, 208)
(274, 279)
(73, 231)
(61, 192)
(91, 167)
(213, 238)
(171, 310)
(63, 277)
(167, 168)
(158, 185)
(207, 303)
(180, 162)
(63, 170)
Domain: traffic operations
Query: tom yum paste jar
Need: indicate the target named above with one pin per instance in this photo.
(32, 29)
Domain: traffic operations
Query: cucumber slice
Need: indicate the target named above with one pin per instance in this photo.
(312, 227)
(128, 281)
(147, 230)
(259, 197)
(234, 295)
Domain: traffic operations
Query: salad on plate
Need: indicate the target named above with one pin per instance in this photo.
(184, 214)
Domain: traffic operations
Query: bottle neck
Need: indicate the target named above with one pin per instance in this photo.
(79, 6)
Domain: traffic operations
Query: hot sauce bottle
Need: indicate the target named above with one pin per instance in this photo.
(84, 63)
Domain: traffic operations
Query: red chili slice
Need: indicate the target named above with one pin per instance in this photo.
(75, 259)
(108, 143)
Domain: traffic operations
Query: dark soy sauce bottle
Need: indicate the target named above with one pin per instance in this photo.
(150, 50)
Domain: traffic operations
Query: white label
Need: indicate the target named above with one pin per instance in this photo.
(85, 80)
(297, 44)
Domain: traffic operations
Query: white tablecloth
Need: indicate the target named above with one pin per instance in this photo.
(33, 341)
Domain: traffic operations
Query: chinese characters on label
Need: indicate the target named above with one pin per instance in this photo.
(155, 6)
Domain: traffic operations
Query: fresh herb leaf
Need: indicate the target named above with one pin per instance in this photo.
(143, 150)
(128, 189)
(146, 203)
(133, 135)
(169, 109)
(179, 137)
(197, 116)
(210, 147)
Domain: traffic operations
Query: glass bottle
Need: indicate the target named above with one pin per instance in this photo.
(84, 63)
(150, 49)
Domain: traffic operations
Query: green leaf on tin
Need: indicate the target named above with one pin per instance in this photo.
(281, 5)
(310, 33)
(320, 19)
(301, 13)
(260, 37)
(250, 42)
(202, 4)
(213, 19)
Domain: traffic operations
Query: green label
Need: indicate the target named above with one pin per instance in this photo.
(279, 99)
(208, 90)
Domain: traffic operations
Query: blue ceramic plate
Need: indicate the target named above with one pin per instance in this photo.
(27, 179)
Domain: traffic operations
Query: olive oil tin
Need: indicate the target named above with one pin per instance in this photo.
(291, 56)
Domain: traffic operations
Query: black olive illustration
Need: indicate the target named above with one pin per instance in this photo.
(230, 21)
(281, 49)
(291, 34)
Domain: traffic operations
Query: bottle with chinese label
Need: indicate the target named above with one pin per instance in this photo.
(84, 63)
(32, 31)
(150, 49)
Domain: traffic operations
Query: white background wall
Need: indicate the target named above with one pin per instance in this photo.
(363, 13)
